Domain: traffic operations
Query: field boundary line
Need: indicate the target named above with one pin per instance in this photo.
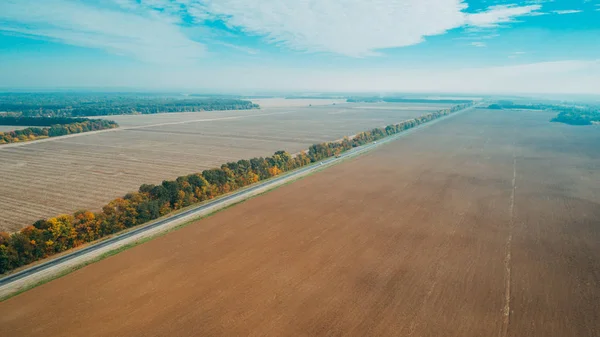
(508, 256)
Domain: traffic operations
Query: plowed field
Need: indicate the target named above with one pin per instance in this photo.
(486, 224)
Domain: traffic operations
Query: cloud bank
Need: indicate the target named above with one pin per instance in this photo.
(152, 30)
(567, 11)
(569, 76)
(355, 27)
(144, 35)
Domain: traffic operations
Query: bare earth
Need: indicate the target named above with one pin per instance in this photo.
(487, 224)
(61, 175)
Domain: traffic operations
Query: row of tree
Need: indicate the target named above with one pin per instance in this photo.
(377, 99)
(580, 114)
(77, 125)
(48, 237)
(16, 120)
(519, 106)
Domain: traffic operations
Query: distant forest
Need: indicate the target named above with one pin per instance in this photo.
(45, 127)
(578, 116)
(82, 105)
(581, 114)
(315, 97)
(511, 105)
(405, 100)
(39, 121)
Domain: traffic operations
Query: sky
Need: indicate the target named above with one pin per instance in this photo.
(454, 46)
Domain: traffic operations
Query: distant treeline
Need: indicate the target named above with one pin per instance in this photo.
(39, 121)
(48, 237)
(314, 97)
(81, 105)
(405, 100)
(510, 105)
(567, 114)
(54, 127)
(364, 100)
(578, 116)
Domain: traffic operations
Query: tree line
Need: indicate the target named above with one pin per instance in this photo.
(67, 126)
(580, 114)
(54, 235)
(38, 121)
(84, 105)
(377, 99)
(524, 106)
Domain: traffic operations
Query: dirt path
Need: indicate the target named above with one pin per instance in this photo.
(409, 240)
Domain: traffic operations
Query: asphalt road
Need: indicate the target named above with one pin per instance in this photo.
(243, 193)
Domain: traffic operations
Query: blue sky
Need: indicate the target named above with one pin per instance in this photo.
(537, 46)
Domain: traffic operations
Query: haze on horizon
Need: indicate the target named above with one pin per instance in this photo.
(456, 46)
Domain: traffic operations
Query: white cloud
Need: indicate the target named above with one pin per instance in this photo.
(355, 27)
(568, 76)
(144, 35)
(242, 49)
(500, 14)
(154, 30)
(567, 11)
(478, 44)
(516, 54)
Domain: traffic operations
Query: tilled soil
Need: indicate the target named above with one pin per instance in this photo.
(487, 224)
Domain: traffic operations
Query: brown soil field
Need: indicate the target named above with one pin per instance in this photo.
(486, 224)
(62, 175)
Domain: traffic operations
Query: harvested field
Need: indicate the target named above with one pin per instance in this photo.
(4, 128)
(62, 175)
(486, 224)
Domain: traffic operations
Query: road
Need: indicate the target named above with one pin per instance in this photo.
(137, 233)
